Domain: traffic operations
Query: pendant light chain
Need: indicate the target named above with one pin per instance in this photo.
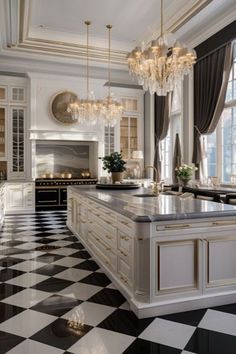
(88, 23)
(109, 27)
(162, 18)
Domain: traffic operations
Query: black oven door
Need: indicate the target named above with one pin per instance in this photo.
(63, 196)
(47, 197)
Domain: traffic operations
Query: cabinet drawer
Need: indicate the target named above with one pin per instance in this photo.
(104, 253)
(100, 220)
(125, 224)
(124, 269)
(124, 242)
(108, 237)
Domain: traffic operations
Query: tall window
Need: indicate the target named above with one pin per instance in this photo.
(167, 144)
(220, 157)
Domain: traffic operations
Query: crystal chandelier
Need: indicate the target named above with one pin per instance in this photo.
(86, 110)
(111, 109)
(161, 67)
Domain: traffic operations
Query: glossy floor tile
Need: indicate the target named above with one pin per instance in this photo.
(54, 298)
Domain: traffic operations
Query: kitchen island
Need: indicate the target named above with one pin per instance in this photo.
(165, 254)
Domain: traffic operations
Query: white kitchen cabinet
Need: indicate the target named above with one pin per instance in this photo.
(3, 133)
(19, 197)
(178, 267)
(3, 94)
(18, 94)
(128, 135)
(13, 114)
(17, 138)
(2, 203)
(220, 261)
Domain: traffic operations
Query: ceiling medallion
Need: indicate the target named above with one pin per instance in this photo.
(162, 66)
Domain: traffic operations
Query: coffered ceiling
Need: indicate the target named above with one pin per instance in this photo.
(54, 30)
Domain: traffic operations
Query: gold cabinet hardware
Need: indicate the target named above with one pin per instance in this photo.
(124, 222)
(181, 226)
(218, 223)
(108, 248)
(109, 237)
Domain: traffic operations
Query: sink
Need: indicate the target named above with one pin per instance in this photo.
(145, 195)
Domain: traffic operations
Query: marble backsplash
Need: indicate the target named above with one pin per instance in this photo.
(57, 157)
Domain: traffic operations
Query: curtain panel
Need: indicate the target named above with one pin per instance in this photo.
(211, 75)
(162, 109)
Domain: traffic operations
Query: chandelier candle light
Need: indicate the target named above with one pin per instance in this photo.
(86, 110)
(161, 67)
(111, 109)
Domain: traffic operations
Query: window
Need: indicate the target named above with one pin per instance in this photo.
(167, 144)
(220, 157)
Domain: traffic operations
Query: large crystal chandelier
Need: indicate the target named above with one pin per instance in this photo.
(86, 110)
(111, 109)
(161, 67)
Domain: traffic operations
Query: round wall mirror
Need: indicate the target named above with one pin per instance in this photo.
(59, 107)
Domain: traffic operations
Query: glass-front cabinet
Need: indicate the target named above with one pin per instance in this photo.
(128, 134)
(13, 145)
(3, 94)
(17, 142)
(3, 121)
(109, 143)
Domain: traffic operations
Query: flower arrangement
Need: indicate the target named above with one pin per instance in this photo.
(185, 172)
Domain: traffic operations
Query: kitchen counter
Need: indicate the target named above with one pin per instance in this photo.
(148, 209)
(165, 254)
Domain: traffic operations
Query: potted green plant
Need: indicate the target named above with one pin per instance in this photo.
(115, 165)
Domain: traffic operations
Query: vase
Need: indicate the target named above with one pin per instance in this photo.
(184, 181)
(116, 177)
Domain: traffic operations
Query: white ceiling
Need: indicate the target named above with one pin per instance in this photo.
(53, 31)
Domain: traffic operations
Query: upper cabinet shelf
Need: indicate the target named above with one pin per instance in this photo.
(3, 94)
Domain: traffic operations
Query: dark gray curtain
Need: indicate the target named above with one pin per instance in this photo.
(162, 118)
(177, 158)
(211, 75)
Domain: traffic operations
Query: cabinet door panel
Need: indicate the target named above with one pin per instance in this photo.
(15, 198)
(3, 120)
(17, 139)
(221, 262)
(177, 266)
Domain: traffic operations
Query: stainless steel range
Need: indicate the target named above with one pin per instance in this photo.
(52, 193)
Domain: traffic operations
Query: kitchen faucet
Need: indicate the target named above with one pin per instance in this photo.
(156, 185)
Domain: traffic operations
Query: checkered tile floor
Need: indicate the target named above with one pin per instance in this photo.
(47, 279)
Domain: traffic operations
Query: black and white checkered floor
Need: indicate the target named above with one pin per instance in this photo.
(48, 279)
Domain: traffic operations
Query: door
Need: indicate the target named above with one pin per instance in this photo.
(47, 197)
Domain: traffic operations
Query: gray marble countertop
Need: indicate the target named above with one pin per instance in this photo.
(2, 183)
(148, 209)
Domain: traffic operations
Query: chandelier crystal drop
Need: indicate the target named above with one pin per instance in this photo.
(111, 109)
(161, 67)
(86, 110)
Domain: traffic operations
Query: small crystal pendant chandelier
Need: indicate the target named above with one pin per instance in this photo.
(86, 110)
(161, 67)
(111, 109)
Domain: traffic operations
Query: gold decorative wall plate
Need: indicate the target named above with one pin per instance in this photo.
(59, 107)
